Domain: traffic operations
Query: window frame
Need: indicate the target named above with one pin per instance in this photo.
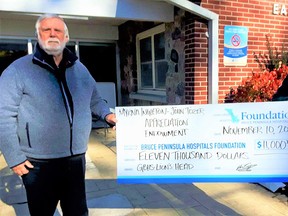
(146, 34)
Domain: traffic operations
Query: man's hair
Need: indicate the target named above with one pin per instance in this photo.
(45, 16)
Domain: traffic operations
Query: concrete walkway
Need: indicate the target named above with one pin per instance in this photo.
(106, 197)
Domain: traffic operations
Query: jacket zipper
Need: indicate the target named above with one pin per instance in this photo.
(64, 96)
(28, 134)
(68, 111)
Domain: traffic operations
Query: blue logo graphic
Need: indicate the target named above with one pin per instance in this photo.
(234, 118)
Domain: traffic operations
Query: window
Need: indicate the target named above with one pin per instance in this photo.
(152, 65)
(10, 50)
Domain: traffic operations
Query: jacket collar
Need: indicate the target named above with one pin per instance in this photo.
(42, 59)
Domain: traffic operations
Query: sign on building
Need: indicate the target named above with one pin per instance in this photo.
(235, 45)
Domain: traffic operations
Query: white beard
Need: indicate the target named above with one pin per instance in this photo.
(52, 49)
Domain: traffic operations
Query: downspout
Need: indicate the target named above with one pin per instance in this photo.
(213, 40)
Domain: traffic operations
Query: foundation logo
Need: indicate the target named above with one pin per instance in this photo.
(234, 118)
(269, 115)
(247, 116)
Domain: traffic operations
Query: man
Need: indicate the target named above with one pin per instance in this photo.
(46, 101)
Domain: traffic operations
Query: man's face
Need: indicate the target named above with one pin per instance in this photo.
(51, 36)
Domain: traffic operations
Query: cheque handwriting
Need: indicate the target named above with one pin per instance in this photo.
(246, 167)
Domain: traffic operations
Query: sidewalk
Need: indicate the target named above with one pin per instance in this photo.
(106, 197)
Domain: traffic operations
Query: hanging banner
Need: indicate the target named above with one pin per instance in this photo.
(235, 45)
(243, 142)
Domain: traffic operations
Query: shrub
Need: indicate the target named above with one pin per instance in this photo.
(262, 85)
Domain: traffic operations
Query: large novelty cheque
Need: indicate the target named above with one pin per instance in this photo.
(243, 142)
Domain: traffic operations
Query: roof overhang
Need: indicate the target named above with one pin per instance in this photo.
(113, 11)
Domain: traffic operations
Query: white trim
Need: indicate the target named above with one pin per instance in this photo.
(213, 62)
(30, 46)
(77, 49)
(153, 31)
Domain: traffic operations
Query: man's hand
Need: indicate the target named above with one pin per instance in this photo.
(22, 169)
(111, 119)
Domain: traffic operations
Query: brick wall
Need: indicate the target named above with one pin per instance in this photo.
(257, 16)
(196, 61)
